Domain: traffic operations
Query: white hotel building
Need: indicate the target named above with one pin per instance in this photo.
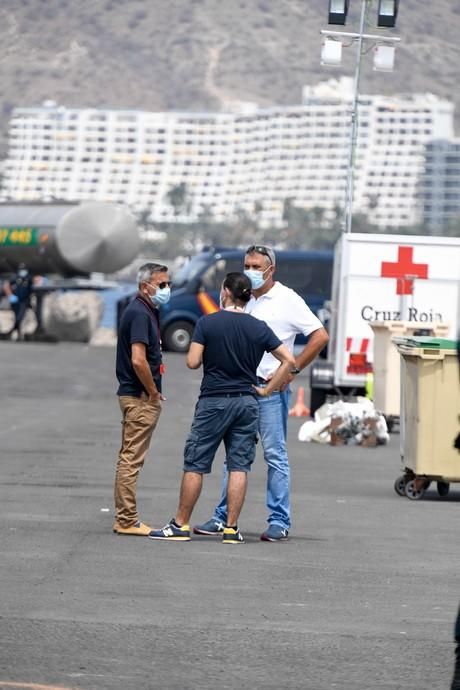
(233, 160)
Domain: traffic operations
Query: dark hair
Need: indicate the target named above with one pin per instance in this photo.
(239, 286)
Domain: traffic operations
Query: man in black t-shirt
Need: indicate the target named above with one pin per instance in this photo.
(139, 370)
(230, 345)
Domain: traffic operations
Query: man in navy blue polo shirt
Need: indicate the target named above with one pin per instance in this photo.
(230, 345)
(139, 370)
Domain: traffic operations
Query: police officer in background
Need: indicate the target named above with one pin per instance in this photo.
(18, 290)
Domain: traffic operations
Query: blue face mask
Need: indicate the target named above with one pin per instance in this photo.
(256, 277)
(161, 296)
(23, 273)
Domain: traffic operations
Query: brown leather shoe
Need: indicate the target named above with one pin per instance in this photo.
(139, 529)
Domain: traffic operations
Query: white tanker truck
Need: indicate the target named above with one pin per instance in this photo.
(67, 243)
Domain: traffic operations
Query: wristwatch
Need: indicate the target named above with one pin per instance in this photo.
(296, 370)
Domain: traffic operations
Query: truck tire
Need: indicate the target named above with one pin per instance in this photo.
(178, 336)
(317, 398)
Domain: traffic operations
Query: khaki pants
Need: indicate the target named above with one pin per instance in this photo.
(140, 418)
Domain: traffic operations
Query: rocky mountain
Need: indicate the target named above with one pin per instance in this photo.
(204, 54)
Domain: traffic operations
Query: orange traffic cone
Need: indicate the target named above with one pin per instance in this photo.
(300, 409)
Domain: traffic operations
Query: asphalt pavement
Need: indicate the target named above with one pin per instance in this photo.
(363, 596)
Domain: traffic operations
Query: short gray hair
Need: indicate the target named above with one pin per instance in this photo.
(146, 271)
(264, 250)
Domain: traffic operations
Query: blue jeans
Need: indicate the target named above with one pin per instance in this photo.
(273, 416)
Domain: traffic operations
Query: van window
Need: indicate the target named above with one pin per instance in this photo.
(213, 277)
(306, 277)
(190, 269)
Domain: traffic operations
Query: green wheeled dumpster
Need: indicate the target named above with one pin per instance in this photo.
(386, 364)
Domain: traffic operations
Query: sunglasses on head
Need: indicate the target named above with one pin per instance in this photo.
(259, 249)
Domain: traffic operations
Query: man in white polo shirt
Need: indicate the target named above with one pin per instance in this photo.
(287, 315)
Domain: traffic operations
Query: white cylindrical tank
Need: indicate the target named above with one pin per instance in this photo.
(67, 239)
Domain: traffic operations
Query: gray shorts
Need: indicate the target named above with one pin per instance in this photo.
(231, 419)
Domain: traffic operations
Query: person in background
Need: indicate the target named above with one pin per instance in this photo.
(230, 345)
(456, 679)
(286, 313)
(18, 290)
(139, 372)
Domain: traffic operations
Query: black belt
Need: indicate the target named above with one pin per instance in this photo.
(261, 380)
(227, 395)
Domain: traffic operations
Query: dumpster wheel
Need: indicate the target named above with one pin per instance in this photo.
(443, 488)
(413, 491)
(400, 485)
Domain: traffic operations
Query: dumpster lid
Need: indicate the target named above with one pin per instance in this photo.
(427, 342)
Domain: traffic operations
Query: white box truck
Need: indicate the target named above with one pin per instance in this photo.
(383, 278)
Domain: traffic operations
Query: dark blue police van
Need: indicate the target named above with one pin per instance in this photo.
(196, 287)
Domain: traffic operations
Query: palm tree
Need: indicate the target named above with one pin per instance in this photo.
(179, 198)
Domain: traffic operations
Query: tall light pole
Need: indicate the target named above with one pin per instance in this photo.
(354, 123)
(331, 55)
(55, 116)
(58, 119)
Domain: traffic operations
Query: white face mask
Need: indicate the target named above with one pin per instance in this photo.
(162, 294)
(256, 277)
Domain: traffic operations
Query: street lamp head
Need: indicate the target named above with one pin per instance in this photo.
(388, 11)
(384, 58)
(338, 10)
(331, 52)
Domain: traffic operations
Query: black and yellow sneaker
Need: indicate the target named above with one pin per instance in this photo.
(171, 532)
(232, 536)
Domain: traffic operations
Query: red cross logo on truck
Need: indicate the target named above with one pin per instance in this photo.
(404, 270)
